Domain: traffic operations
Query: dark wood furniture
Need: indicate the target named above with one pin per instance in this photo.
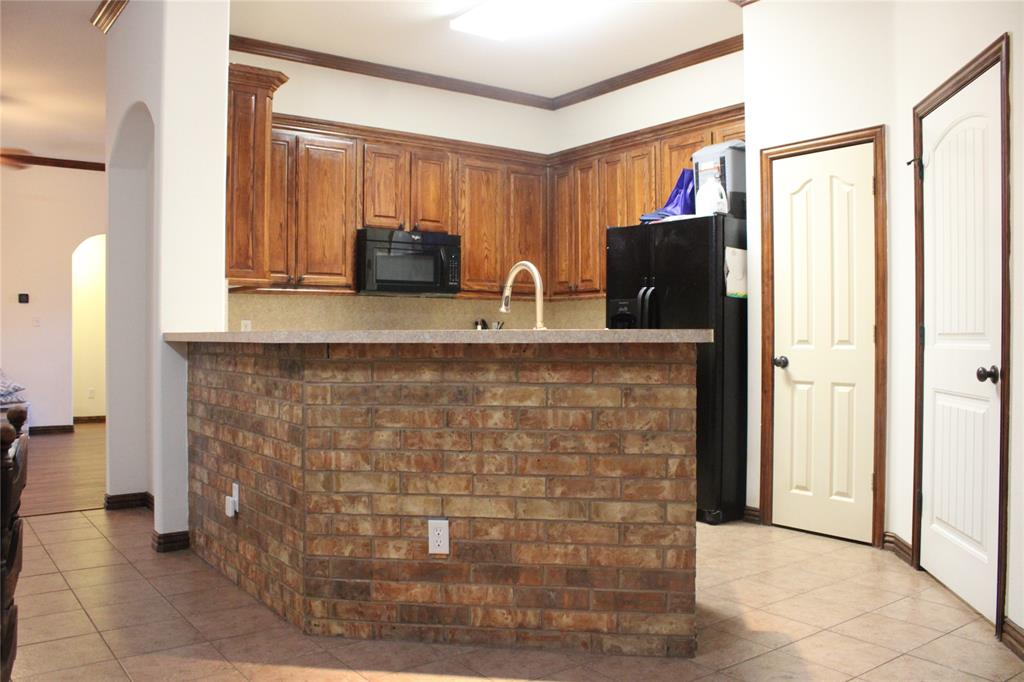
(13, 472)
(326, 179)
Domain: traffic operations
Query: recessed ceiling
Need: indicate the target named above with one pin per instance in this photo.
(608, 38)
(52, 80)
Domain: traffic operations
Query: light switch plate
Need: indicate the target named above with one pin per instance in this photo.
(246, 325)
(437, 536)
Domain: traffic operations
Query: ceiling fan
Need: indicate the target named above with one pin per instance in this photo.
(12, 157)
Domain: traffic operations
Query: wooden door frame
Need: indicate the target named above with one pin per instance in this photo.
(998, 53)
(875, 135)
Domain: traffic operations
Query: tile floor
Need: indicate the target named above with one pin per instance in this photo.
(97, 604)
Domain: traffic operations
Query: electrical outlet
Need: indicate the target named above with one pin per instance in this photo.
(246, 325)
(92, 394)
(437, 536)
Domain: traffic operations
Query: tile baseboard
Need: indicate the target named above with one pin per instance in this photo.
(170, 542)
(97, 419)
(752, 514)
(1013, 637)
(56, 428)
(128, 500)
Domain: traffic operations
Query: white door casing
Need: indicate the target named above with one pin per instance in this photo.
(961, 148)
(824, 256)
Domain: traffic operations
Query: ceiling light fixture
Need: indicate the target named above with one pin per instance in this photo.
(509, 19)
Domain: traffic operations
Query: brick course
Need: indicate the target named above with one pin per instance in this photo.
(567, 474)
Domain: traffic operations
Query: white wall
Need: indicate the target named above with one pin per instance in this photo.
(814, 69)
(166, 62)
(44, 214)
(333, 95)
(89, 328)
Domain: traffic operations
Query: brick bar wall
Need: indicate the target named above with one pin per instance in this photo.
(567, 474)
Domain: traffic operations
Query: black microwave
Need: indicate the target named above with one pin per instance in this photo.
(395, 261)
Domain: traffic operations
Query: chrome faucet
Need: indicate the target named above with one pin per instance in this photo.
(538, 290)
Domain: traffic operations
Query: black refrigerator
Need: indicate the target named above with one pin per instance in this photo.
(672, 275)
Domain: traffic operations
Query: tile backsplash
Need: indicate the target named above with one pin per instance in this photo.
(320, 311)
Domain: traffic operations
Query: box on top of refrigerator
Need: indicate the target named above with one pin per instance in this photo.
(724, 165)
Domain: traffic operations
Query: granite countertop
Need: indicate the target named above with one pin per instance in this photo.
(456, 336)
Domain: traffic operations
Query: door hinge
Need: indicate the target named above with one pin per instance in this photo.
(920, 500)
(920, 334)
(872, 482)
(874, 186)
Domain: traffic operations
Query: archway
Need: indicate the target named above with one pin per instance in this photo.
(88, 330)
(131, 329)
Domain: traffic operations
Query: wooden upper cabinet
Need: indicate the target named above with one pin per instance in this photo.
(281, 236)
(385, 185)
(675, 156)
(561, 268)
(612, 177)
(733, 130)
(641, 174)
(430, 208)
(589, 231)
(326, 210)
(526, 233)
(482, 212)
(250, 96)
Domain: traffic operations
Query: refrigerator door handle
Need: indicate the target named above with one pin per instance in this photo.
(650, 315)
(641, 308)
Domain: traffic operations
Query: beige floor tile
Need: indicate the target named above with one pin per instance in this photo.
(270, 645)
(36, 565)
(193, 581)
(132, 540)
(647, 669)
(579, 673)
(712, 610)
(29, 537)
(53, 626)
(115, 593)
(157, 564)
(993, 661)
(143, 639)
(104, 671)
(49, 538)
(28, 553)
(794, 579)
(979, 630)
(717, 649)
(377, 658)
(449, 670)
(101, 575)
(114, 616)
(50, 522)
(838, 652)
(869, 598)
(233, 622)
(38, 584)
(320, 666)
(767, 629)
(818, 544)
(888, 632)
(815, 610)
(71, 652)
(779, 666)
(89, 560)
(193, 662)
(48, 602)
(910, 669)
(928, 614)
(190, 603)
(74, 547)
(906, 581)
(751, 592)
(941, 595)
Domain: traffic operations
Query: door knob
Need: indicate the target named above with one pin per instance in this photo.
(782, 362)
(990, 374)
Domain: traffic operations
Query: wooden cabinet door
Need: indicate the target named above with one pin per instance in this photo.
(612, 178)
(385, 185)
(589, 231)
(482, 211)
(526, 223)
(733, 130)
(431, 191)
(641, 183)
(675, 156)
(281, 208)
(326, 210)
(562, 260)
(248, 150)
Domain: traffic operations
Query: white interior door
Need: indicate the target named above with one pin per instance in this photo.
(824, 237)
(962, 332)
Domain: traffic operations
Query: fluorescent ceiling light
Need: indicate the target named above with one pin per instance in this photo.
(505, 19)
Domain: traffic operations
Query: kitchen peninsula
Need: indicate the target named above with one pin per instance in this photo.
(563, 460)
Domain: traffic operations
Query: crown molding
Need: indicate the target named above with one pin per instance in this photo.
(330, 61)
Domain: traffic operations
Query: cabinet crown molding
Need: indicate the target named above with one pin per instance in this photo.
(243, 74)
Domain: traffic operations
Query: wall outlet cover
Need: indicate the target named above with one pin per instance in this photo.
(246, 325)
(437, 536)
